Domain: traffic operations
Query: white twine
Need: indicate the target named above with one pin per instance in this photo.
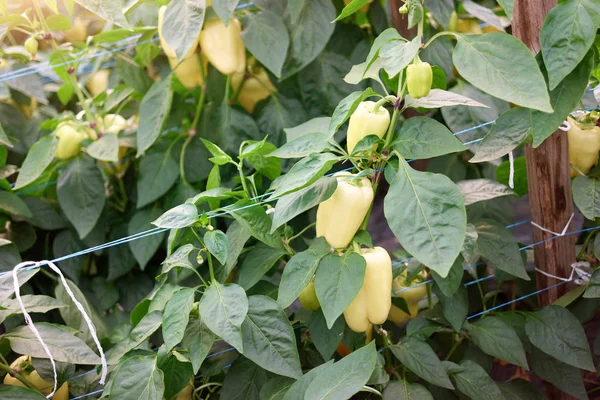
(32, 327)
(511, 175)
(565, 126)
(581, 268)
(564, 231)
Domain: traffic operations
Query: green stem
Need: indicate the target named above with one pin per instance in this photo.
(199, 107)
(585, 243)
(182, 159)
(365, 222)
(380, 103)
(301, 232)
(242, 177)
(429, 296)
(20, 377)
(390, 133)
(437, 35)
(210, 266)
(452, 349)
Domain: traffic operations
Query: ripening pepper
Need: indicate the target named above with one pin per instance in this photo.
(78, 31)
(419, 77)
(584, 145)
(187, 393)
(453, 22)
(98, 82)
(188, 70)
(340, 216)
(469, 26)
(364, 8)
(223, 45)
(308, 297)
(69, 137)
(398, 316)
(411, 296)
(32, 45)
(373, 302)
(365, 121)
(23, 366)
(255, 88)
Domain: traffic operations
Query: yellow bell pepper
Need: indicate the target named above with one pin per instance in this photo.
(187, 393)
(584, 145)
(32, 45)
(308, 297)
(78, 31)
(398, 316)
(70, 137)
(411, 296)
(453, 22)
(373, 302)
(223, 45)
(340, 216)
(255, 88)
(98, 82)
(188, 70)
(468, 26)
(22, 365)
(419, 77)
(364, 8)
(366, 120)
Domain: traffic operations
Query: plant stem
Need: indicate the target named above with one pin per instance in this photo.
(182, 159)
(20, 377)
(240, 167)
(585, 243)
(452, 349)
(210, 266)
(381, 102)
(301, 232)
(390, 133)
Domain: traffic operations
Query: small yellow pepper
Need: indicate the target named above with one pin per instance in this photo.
(223, 45)
(23, 366)
(255, 88)
(340, 216)
(584, 145)
(373, 302)
(308, 297)
(70, 136)
(98, 82)
(366, 120)
(419, 77)
(410, 293)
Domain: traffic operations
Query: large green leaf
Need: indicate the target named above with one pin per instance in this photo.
(223, 309)
(257, 263)
(496, 338)
(344, 378)
(557, 332)
(81, 196)
(419, 357)
(182, 24)
(225, 8)
(137, 378)
(421, 137)
(304, 173)
(158, 172)
(269, 338)
(144, 248)
(498, 245)
(33, 304)
(109, 10)
(567, 35)
(154, 110)
(397, 54)
(254, 218)
(10, 203)
(564, 376)
(181, 216)
(502, 66)
(586, 194)
(138, 335)
(298, 389)
(38, 158)
(177, 316)
(105, 148)
(454, 308)
(243, 381)
(473, 381)
(198, 339)
(325, 340)
(403, 390)
(337, 282)
(20, 393)
(433, 207)
(266, 37)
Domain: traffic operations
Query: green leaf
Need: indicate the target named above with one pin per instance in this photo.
(454, 308)
(58, 22)
(183, 21)
(7, 284)
(450, 284)
(310, 31)
(494, 337)
(269, 338)
(298, 389)
(20, 393)
(266, 37)
(224, 9)
(143, 250)
(63, 345)
(397, 54)
(315, 125)
(402, 390)
(177, 370)
(243, 381)
(563, 376)
(299, 271)
(293, 204)
(33, 304)
(483, 13)
(198, 339)
(593, 289)
(508, 132)
(80, 189)
(45, 214)
(154, 110)
(179, 258)
(257, 263)
(346, 377)
(254, 218)
(520, 175)
(557, 332)
(418, 356)
(475, 190)
(502, 66)
(219, 156)
(346, 108)
(519, 389)
(475, 382)
(566, 36)
(508, 6)
(276, 114)
(10, 203)
(4, 138)
(223, 309)
(421, 137)
(498, 245)
(586, 194)
(421, 328)
(216, 243)
(303, 146)
(176, 317)
(105, 148)
(351, 8)
(269, 167)
(275, 388)
(181, 216)
(237, 236)
(142, 331)
(433, 206)
(109, 10)
(337, 282)
(39, 156)
(325, 340)
(138, 377)
(438, 98)
(158, 173)
(304, 173)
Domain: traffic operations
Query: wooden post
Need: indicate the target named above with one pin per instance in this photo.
(548, 169)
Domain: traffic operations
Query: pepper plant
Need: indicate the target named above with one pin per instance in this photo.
(205, 185)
